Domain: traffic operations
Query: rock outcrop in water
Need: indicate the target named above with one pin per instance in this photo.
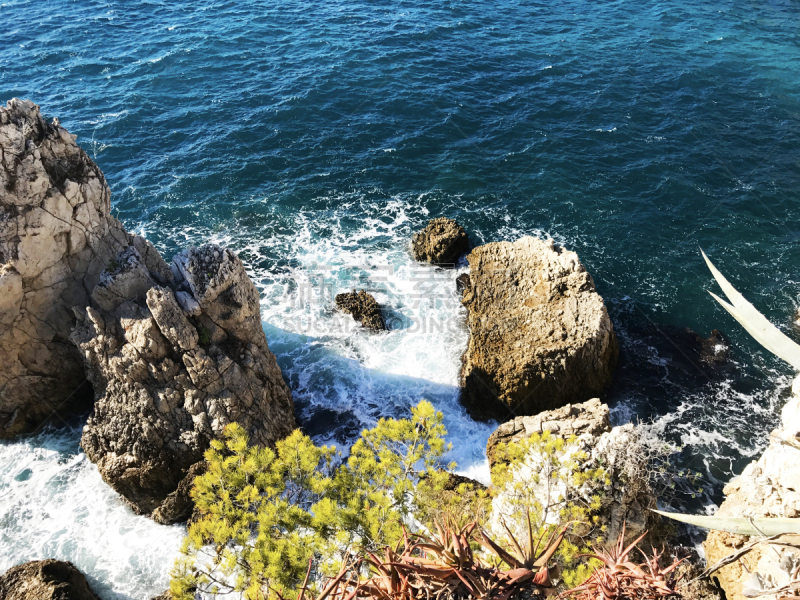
(440, 243)
(45, 580)
(175, 354)
(363, 308)
(56, 237)
(540, 335)
(627, 496)
(768, 487)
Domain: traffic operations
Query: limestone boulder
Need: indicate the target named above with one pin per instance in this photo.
(363, 307)
(588, 418)
(56, 237)
(540, 335)
(440, 243)
(625, 493)
(45, 580)
(175, 355)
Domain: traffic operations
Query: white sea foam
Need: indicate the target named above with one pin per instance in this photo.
(53, 504)
(335, 364)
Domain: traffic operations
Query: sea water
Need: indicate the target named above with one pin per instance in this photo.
(315, 138)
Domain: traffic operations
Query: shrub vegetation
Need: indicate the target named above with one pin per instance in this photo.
(302, 519)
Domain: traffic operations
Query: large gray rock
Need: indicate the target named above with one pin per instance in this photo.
(45, 580)
(768, 487)
(540, 335)
(175, 355)
(56, 237)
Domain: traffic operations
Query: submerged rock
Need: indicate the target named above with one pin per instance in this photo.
(540, 335)
(45, 580)
(175, 354)
(624, 493)
(768, 487)
(440, 243)
(56, 236)
(363, 307)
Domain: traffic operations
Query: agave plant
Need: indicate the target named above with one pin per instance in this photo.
(756, 324)
(621, 579)
(766, 526)
(444, 566)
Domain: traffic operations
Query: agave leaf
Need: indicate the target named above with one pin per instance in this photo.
(476, 582)
(739, 525)
(552, 545)
(487, 542)
(756, 324)
(520, 552)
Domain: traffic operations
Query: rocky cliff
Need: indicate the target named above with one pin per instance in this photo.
(56, 236)
(768, 487)
(174, 354)
(540, 335)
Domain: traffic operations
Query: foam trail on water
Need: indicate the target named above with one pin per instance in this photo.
(53, 504)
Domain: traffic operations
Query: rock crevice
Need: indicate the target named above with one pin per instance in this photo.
(175, 355)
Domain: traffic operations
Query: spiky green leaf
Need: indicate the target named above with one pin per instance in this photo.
(739, 525)
(756, 324)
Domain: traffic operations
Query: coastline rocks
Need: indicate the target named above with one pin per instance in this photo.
(589, 418)
(624, 493)
(175, 354)
(45, 580)
(178, 506)
(56, 237)
(440, 243)
(768, 487)
(540, 335)
(363, 307)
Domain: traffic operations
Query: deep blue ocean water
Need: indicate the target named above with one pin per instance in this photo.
(315, 138)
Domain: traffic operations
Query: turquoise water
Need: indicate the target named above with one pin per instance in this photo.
(315, 138)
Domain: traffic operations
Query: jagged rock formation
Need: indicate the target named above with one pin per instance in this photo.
(175, 354)
(178, 506)
(45, 580)
(768, 487)
(540, 335)
(590, 418)
(440, 243)
(56, 237)
(625, 492)
(363, 307)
